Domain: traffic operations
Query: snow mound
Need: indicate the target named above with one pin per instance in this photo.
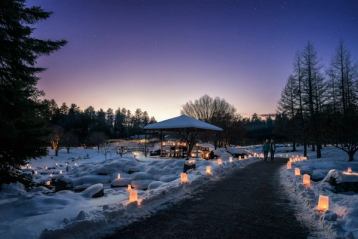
(94, 191)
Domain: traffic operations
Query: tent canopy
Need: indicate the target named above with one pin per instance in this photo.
(182, 122)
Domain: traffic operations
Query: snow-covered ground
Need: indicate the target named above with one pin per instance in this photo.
(341, 220)
(77, 213)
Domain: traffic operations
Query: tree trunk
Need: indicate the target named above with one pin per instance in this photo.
(98, 147)
(68, 150)
(351, 155)
(304, 149)
(293, 146)
(56, 151)
(313, 148)
(319, 154)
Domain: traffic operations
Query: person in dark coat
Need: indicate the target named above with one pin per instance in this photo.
(266, 149)
(272, 149)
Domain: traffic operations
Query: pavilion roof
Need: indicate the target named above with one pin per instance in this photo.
(182, 122)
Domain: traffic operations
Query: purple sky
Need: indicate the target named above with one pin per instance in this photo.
(157, 55)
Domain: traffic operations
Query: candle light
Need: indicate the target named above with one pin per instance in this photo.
(219, 161)
(297, 172)
(184, 178)
(208, 170)
(289, 165)
(306, 180)
(118, 176)
(323, 203)
(133, 196)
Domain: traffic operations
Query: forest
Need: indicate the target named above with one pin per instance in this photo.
(318, 105)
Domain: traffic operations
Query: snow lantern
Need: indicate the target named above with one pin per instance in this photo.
(323, 203)
(35, 172)
(219, 161)
(349, 170)
(208, 170)
(133, 196)
(297, 172)
(289, 165)
(230, 159)
(306, 180)
(48, 183)
(118, 176)
(60, 171)
(129, 187)
(184, 178)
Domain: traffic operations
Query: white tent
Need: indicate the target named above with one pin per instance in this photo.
(182, 122)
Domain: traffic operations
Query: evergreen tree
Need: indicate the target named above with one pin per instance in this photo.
(22, 125)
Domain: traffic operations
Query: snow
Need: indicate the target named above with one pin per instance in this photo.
(181, 122)
(80, 211)
(341, 220)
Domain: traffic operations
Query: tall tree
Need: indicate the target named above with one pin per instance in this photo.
(289, 106)
(343, 97)
(312, 98)
(22, 126)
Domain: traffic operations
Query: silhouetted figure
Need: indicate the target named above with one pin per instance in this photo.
(272, 149)
(266, 149)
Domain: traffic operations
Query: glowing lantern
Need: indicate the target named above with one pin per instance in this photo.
(129, 188)
(184, 178)
(289, 165)
(48, 183)
(60, 171)
(208, 170)
(306, 180)
(323, 203)
(133, 196)
(46, 167)
(118, 176)
(76, 164)
(297, 172)
(35, 172)
(349, 170)
(219, 161)
(230, 159)
(51, 175)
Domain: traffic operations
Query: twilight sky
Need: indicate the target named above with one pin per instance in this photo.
(157, 55)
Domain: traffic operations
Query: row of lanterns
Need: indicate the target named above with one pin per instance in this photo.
(184, 179)
(323, 201)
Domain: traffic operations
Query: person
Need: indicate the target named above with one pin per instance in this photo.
(272, 150)
(265, 149)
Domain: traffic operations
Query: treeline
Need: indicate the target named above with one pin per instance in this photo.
(70, 126)
(320, 105)
(237, 130)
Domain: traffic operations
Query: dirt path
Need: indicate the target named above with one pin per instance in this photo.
(247, 204)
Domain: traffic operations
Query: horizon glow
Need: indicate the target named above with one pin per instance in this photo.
(158, 55)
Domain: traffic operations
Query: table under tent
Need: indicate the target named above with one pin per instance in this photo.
(189, 131)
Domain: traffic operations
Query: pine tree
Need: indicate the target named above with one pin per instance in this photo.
(22, 126)
(312, 81)
(343, 97)
(289, 107)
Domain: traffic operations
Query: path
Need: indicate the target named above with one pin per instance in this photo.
(247, 204)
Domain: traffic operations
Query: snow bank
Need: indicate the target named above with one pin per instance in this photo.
(341, 220)
(94, 199)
